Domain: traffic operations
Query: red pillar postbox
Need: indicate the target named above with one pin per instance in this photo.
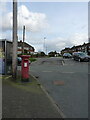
(25, 67)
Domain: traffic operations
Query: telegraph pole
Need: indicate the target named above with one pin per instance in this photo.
(14, 54)
(23, 38)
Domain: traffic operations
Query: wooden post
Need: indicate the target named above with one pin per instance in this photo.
(23, 39)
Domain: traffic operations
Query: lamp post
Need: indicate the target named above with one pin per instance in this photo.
(44, 44)
(46, 50)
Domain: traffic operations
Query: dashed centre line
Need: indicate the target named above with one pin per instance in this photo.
(67, 72)
(47, 71)
(60, 72)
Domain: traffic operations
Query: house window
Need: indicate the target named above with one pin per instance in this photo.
(26, 48)
(19, 47)
(82, 47)
(31, 48)
(19, 52)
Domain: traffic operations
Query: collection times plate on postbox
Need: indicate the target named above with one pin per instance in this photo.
(25, 64)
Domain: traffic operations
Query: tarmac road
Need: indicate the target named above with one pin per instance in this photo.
(66, 81)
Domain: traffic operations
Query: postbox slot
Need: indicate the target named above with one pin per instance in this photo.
(26, 59)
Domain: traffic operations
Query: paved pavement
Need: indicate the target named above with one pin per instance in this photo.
(66, 82)
(0, 96)
(26, 100)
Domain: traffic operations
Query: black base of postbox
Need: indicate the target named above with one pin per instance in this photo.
(25, 80)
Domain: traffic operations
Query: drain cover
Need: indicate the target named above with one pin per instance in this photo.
(58, 82)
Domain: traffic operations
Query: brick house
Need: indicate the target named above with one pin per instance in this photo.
(80, 48)
(27, 48)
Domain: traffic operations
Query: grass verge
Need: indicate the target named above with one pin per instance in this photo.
(32, 86)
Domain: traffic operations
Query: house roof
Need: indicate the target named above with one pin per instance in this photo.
(19, 42)
(26, 44)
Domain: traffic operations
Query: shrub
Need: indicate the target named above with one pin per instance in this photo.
(32, 59)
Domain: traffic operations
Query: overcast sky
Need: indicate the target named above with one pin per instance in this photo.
(63, 24)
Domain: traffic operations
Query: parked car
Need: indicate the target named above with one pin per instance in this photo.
(19, 60)
(67, 55)
(81, 56)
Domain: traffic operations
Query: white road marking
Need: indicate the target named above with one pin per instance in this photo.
(69, 64)
(46, 71)
(63, 63)
(68, 72)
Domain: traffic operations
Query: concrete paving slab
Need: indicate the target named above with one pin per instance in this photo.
(26, 100)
